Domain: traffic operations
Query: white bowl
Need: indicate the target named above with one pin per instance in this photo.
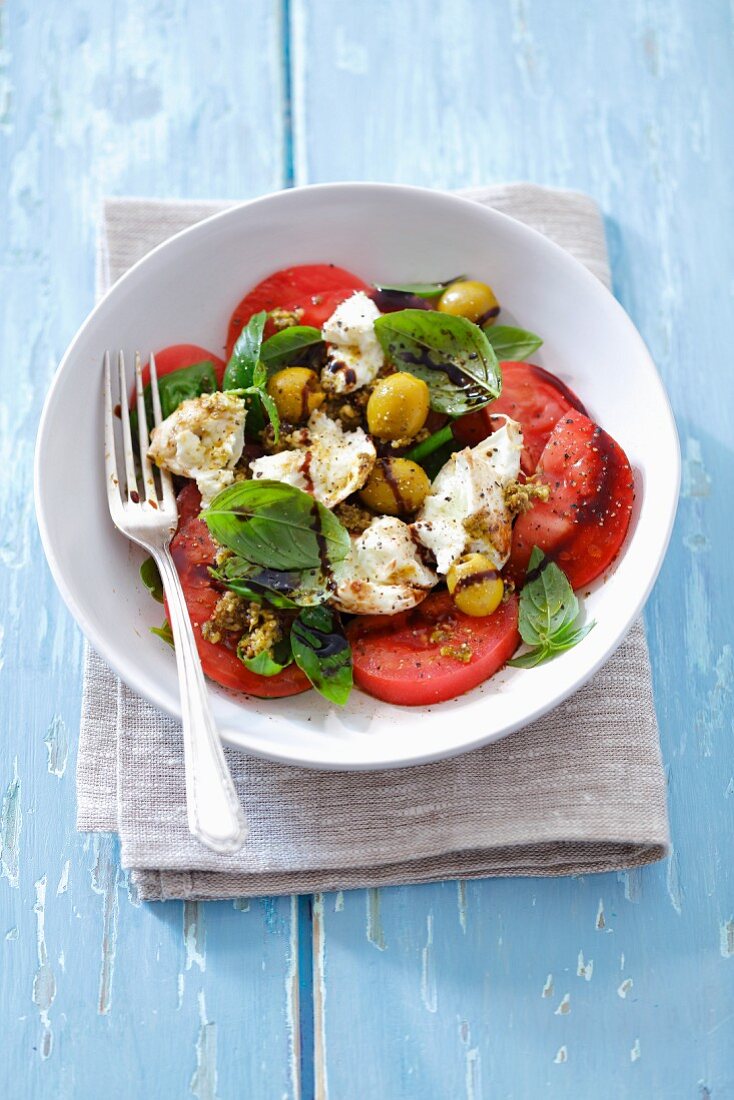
(184, 292)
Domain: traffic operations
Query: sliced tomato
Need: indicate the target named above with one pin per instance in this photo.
(193, 552)
(584, 523)
(398, 658)
(317, 289)
(532, 396)
(183, 355)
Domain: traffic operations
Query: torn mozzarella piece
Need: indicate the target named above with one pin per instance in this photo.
(465, 510)
(354, 357)
(203, 439)
(327, 462)
(384, 572)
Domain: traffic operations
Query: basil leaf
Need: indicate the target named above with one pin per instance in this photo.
(321, 651)
(422, 290)
(288, 345)
(549, 613)
(175, 388)
(512, 343)
(271, 410)
(238, 374)
(164, 632)
(452, 356)
(276, 526)
(267, 663)
(151, 578)
(240, 371)
(285, 589)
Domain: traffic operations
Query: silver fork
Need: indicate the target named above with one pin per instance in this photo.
(214, 812)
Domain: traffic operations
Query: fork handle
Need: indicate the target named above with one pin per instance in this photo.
(214, 812)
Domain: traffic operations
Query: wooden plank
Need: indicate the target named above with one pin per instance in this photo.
(611, 986)
(100, 995)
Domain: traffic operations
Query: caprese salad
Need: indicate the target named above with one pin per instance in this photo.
(378, 488)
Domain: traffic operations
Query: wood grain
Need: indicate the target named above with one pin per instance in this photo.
(612, 986)
(101, 996)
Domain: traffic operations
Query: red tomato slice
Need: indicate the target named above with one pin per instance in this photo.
(183, 355)
(398, 657)
(193, 552)
(583, 524)
(317, 289)
(532, 396)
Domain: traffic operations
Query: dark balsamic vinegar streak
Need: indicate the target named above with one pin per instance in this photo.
(394, 484)
(327, 643)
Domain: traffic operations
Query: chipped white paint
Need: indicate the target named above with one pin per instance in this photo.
(292, 1001)
(11, 824)
(194, 934)
(104, 881)
(57, 746)
(584, 969)
(321, 1074)
(242, 905)
(44, 983)
(601, 922)
(561, 1056)
(472, 1063)
(204, 1079)
(375, 931)
(635, 1052)
(461, 902)
(12, 933)
(63, 885)
(429, 994)
(624, 988)
(339, 901)
(726, 938)
(564, 1006)
(675, 890)
(548, 987)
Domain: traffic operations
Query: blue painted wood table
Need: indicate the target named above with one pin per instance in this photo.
(608, 986)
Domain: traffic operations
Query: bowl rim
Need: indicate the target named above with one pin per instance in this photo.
(126, 670)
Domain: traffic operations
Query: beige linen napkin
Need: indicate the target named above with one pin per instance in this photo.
(581, 790)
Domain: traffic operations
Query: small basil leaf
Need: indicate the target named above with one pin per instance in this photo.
(151, 578)
(322, 651)
(512, 343)
(276, 526)
(452, 356)
(267, 663)
(549, 613)
(271, 410)
(175, 388)
(422, 290)
(532, 658)
(288, 346)
(240, 371)
(279, 588)
(164, 632)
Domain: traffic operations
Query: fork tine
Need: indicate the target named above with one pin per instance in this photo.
(148, 479)
(110, 460)
(127, 442)
(169, 497)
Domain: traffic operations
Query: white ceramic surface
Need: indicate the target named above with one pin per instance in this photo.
(184, 292)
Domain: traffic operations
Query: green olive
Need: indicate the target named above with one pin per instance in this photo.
(296, 392)
(398, 406)
(396, 486)
(475, 585)
(470, 299)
